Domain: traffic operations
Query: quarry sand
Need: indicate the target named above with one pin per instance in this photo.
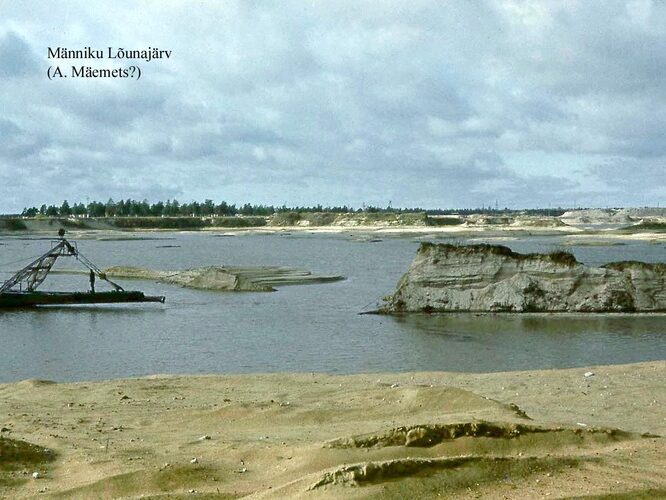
(576, 235)
(534, 434)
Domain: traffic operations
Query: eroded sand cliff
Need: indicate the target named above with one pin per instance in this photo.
(492, 278)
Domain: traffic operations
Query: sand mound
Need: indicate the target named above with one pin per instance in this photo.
(221, 278)
(378, 472)
(34, 382)
(429, 435)
(532, 221)
(361, 436)
(596, 216)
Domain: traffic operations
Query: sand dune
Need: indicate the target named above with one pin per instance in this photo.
(551, 433)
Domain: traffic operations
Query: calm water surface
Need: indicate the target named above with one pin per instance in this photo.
(298, 328)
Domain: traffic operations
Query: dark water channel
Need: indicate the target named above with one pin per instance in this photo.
(299, 328)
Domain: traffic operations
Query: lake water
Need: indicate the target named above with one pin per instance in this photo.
(298, 328)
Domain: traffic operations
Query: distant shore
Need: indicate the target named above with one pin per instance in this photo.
(323, 436)
(631, 225)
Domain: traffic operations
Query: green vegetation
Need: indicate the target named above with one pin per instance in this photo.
(17, 455)
(562, 257)
(321, 218)
(634, 264)
(73, 223)
(444, 221)
(13, 224)
(620, 300)
(646, 494)
(286, 219)
(534, 298)
(238, 222)
(157, 222)
(447, 475)
(172, 208)
(648, 226)
(557, 256)
(172, 481)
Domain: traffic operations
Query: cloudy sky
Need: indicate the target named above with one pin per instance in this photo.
(420, 103)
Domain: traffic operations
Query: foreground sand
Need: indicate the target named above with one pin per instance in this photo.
(289, 435)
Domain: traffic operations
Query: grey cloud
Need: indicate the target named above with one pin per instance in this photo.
(646, 178)
(8, 128)
(343, 102)
(114, 108)
(16, 57)
(17, 143)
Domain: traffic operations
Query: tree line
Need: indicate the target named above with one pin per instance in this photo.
(207, 208)
(170, 208)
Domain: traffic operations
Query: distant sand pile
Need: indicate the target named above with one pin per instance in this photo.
(348, 220)
(613, 216)
(532, 221)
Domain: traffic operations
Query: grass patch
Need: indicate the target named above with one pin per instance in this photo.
(414, 477)
(320, 218)
(561, 257)
(16, 455)
(238, 222)
(157, 222)
(647, 494)
(166, 483)
(402, 219)
(443, 221)
(489, 470)
(635, 264)
(188, 496)
(653, 227)
(73, 223)
(557, 256)
(285, 219)
(14, 224)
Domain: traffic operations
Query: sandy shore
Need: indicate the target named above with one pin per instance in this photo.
(575, 235)
(502, 435)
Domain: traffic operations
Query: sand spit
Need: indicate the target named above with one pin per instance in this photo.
(321, 436)
(493, 278)
(222, 278)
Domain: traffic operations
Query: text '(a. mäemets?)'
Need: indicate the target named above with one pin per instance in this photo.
(115, 54)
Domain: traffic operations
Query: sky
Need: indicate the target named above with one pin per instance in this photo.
(435, 104)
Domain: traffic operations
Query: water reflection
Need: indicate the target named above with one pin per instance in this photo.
(541, 324)
(498, 342)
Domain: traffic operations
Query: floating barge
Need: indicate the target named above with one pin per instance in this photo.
(21, 289)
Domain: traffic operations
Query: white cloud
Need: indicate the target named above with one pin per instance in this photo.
(420, 103)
